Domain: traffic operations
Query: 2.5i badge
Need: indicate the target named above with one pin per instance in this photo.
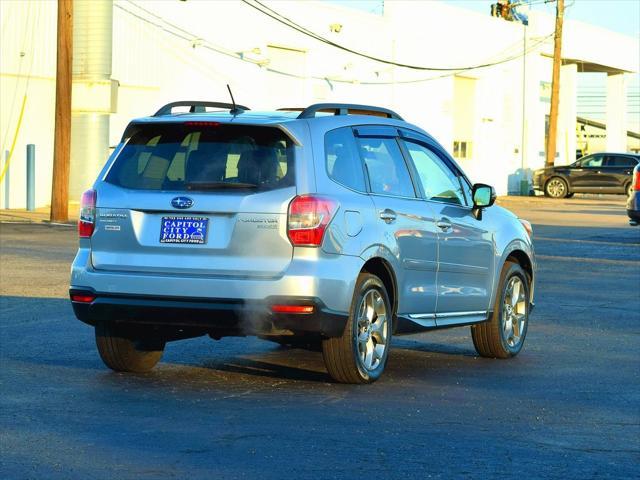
(191, 230)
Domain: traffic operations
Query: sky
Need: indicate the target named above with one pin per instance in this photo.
(621, 16)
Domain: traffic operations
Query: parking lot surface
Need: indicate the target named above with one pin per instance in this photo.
(567, 407)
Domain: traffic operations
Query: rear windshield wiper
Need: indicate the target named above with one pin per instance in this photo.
(218, 185)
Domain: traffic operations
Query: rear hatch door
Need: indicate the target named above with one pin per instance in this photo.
(197, 198)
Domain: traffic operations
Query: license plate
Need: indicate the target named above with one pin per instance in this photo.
(191, 230)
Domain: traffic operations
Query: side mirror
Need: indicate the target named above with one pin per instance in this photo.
(483, 196)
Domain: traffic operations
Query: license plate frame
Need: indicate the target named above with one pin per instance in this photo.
(179, 229)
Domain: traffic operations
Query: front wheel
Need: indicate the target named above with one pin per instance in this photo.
(124, 351)
(556, 187)
(629, 189)
(360, 354)
(503, 335)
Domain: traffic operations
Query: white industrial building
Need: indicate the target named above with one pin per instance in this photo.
(130, 57)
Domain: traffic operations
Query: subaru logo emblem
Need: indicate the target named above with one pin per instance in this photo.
(182, 202)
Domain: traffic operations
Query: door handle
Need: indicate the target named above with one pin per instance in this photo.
(388, 215)
(444, 224)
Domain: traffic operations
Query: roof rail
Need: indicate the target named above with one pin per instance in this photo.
(345, 109)
(198, 106)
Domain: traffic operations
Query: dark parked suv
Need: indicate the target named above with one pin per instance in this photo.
(596, 173)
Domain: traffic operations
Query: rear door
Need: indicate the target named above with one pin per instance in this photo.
(406, 223)
(619, 169)
(196, 198)
(465, 245)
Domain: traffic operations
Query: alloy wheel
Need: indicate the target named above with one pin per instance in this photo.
(514, 312)
(373, 329)
(556, 188)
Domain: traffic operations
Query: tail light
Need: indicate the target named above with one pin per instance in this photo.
(83, 298)
(636, 180)
(87, 217)
(202, 124)
(308, 219)
(292, 308)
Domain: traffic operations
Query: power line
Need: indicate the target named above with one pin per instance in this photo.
(255, 4)
(190, 37)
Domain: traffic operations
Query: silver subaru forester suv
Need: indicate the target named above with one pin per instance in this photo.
(337, 225)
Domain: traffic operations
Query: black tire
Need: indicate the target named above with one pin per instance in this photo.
(490, 338)
(123, 352)
(342, 354)
(556, 187)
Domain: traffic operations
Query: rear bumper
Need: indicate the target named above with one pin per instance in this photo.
(330, 278)
(218, 317)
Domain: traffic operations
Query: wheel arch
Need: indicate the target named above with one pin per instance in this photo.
(520, 257)
(382, 269)
(527, 262)
(513, 244)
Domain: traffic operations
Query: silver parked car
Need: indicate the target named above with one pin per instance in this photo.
(337, 224)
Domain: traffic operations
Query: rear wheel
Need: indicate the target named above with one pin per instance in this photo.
(360, 354)
(124, 351)
(628, 189)
(556, 187)
(503, 335)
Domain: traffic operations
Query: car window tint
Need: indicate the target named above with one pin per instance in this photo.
(388, 173)
(595, 161)
(342, 160)
(438, 181)
(184, 156)
(620, 161)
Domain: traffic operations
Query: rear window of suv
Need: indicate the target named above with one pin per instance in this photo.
(203, 156)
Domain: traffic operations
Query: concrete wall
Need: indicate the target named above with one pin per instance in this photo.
(199, 57)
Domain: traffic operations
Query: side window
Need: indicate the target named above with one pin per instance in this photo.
(342, 160)
(388, 173)
(593, 162)
(438, 181)
(620, 161)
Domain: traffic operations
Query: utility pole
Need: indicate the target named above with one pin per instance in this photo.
(555, 87)
(62, 135)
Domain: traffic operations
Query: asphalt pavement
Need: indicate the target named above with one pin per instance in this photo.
(567, 407)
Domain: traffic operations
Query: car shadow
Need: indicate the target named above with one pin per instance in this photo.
(70, 348)
(403, 343)
(272, 369)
